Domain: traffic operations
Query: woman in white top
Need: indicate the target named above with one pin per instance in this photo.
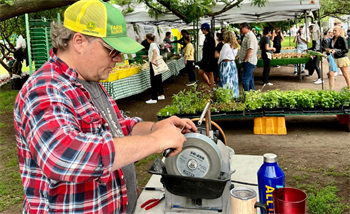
(228, 70)
(156, 81)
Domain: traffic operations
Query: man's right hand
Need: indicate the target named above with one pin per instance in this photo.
(169, 136)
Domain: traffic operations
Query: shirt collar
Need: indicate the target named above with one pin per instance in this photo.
(71, 73)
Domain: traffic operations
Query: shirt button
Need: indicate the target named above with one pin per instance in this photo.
(106, 124)
(127, 203)
(122, 177)
(99, 126)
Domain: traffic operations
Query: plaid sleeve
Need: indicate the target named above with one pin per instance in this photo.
(57, 140)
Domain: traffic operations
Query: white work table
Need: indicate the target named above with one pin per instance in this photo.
(246, 166)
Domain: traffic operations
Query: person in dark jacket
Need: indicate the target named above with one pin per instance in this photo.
(313, 64)
(208, 63)
(182, 40)
(339, 48)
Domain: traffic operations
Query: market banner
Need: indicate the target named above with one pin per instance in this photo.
(162, 31)
(142, 30)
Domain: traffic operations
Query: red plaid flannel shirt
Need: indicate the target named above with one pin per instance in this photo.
(65, 150)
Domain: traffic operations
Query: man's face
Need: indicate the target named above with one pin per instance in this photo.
(204, 31)
(95, 64)
(253, 30)
(337, 24)
(243, 30)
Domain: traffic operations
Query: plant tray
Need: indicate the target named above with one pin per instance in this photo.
(274, 111)
(235, 113)
(333, 110)
(298, 110)
(316, 110)
(257, 113)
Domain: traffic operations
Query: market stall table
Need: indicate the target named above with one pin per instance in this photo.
(140, 82)
(246, 167)
(285, 61)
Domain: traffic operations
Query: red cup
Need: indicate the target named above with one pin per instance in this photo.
(288, 200)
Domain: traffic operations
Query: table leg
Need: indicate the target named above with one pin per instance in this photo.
(299, 73)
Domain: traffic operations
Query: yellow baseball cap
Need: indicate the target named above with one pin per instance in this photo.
(100, 19)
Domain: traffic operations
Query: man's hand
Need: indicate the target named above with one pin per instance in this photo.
(177, 122)
(169, 136)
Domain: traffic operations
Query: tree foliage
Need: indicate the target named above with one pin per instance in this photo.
(11, 28)
(335, 8)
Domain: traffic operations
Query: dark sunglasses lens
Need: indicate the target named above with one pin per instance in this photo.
(114, 53)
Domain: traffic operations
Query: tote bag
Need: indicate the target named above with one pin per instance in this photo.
(162, 66)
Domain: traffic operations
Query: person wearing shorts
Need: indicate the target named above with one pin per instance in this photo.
(208, 63)
(339, 49)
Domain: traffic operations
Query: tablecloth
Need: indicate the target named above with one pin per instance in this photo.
(140, 82)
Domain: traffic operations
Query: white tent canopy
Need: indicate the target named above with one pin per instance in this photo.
(274, 10)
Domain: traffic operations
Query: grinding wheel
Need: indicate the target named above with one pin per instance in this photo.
(200, 157)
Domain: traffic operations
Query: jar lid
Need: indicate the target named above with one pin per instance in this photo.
(243, 193)
(270, 158)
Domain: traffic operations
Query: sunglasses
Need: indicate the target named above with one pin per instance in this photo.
(114, 53)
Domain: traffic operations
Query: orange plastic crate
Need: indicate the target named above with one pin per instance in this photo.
(270, 125)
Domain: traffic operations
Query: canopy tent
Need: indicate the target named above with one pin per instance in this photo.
(274, 10)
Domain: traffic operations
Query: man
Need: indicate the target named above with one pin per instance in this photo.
(76, 149)
(223, 30)
(253, 31)
(182, 41)
(247, 56)
(167, 38)
(208, 63)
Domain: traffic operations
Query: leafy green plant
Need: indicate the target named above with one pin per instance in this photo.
(253, 100)
(271, 99)
(288, 99)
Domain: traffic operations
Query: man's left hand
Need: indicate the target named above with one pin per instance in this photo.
(179, 123)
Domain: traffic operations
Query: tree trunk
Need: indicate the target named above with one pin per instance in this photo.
(21, 7)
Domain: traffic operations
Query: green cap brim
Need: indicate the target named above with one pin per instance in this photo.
(124, 44)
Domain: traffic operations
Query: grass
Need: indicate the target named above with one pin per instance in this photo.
(7, 100)
(285, 43)
(323, 199)
(24, 68)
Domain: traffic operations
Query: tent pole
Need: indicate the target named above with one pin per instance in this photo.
(289, 31)
(213, 26)
(296, 22)
(197, 39)
(321, 35)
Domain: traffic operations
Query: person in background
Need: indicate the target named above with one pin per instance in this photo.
(228, 70)
(248, 57)
(145, 44)
(182, 41)
(218, 48)
(208, 63)
(189, 60)
(223, 30)
(254, 32)
(337, 22)
(167, 38)
(156, 81)
(339, 49)
(302, 40)
(258, 37)
(76, 149)
(277, 38)
(314, 63)
(266, 52)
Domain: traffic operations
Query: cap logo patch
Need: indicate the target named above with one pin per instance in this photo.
(116, 29)
(91, 25)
